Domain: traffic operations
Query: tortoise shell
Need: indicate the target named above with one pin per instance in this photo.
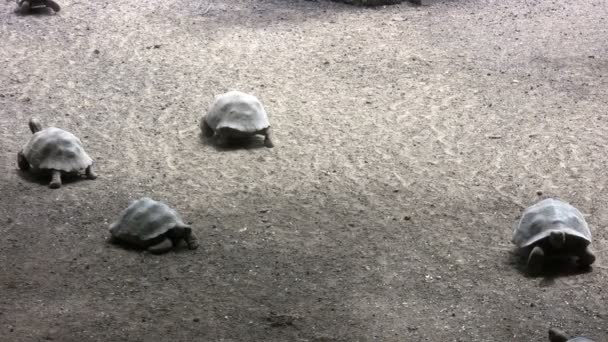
(237, 111)
(55, 149)
(550, 215)
(144, 220)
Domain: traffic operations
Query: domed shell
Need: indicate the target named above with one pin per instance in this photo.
(239, 111)
(56, 149)
(144, 220)
(539, 220)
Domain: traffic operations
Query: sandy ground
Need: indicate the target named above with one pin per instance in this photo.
(408, 139)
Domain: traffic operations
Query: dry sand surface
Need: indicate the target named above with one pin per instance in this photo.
(408, 140)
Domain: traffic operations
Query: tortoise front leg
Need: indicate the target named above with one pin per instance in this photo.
(535, 260)
(24, 7)
(268, 138)
(191, 240)
(53, 5)
(90, 173)
(22, 161)
(586, 257)
(221, 139)
(161, 247)
(206, 129)
(55, 179)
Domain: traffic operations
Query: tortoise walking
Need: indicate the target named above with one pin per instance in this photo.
(236, 115)
(558, 336)
(152, 225)
(56, 151)
(553, 228)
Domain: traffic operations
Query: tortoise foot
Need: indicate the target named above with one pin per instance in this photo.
(53, 5)
(535, 260)
(22, 161)
(268, 138)
(55, 180)
(206, 129)
(192, 241)
(90, 173)
(586, 258)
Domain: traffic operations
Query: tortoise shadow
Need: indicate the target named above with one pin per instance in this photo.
(248, 143)
(44, 178)
(182, 247)
(553, 268)
(35, 12)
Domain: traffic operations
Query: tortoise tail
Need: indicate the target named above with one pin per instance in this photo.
(35, 125)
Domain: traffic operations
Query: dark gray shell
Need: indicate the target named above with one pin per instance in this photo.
(144, 220)
(539, 220)
(55, 149)
(238, 111)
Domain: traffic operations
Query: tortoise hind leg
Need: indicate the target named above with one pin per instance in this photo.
(55, 180)
(586, 257)
(90, 173)
(268, 138)
(161, 247)
(22, 161)
(535, 260)
(557, 336)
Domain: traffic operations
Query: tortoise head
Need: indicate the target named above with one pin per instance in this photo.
(557, 239)
(556, 335)
(180, 232)
(35, 125)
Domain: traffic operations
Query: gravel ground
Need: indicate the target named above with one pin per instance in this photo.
(408, 140)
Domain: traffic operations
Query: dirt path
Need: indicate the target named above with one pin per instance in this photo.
(408, 141)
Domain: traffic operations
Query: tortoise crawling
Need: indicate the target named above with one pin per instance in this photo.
(152, 225)
(56, 151)
(553, 228)
(558, 336)
(236, 115)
